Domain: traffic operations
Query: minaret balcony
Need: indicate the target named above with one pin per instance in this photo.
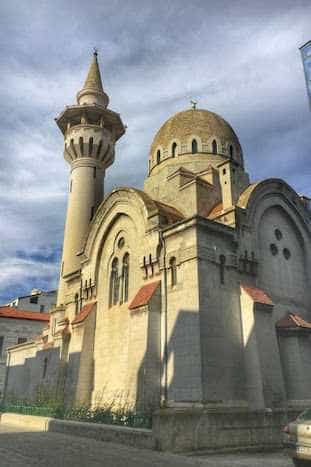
(89, 141)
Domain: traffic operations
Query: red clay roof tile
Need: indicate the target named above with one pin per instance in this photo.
(16, 313)
(293, 320)
(215, 211)
(84, 313)
(257, 295)
(144, 295)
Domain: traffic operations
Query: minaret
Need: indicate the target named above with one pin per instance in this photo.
(90, 132)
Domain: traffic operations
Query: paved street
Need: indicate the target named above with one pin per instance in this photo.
(20, 448)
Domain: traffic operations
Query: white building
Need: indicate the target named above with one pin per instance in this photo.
(38, 300)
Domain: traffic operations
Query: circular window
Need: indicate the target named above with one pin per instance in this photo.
(273, 249)
(121, 242)
(278, 234)
(286, 253)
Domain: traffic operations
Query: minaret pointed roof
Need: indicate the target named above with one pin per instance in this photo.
(93, 91)
(93, 79)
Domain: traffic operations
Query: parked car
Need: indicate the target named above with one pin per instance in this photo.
(297, 439)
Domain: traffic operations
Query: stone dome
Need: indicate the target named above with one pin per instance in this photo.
(195, 131)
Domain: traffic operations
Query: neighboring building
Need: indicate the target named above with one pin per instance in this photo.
(38, 300)
(17, 327)
(195, 292)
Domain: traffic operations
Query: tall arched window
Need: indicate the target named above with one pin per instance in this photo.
(173, 269)
(174, 149)
(214, 147)
(231, 151)
(114, 283)
(194, 146)
(158, 156)
(125, 277)
(222, 260)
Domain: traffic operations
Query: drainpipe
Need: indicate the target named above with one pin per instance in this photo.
(164, 391)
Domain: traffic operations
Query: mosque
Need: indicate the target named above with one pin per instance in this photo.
(193, 293)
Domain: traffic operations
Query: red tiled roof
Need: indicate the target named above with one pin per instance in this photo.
(257, 295)
(215, 211)
(293, 320)
(144, 295)
(16, 313)
(84, 313)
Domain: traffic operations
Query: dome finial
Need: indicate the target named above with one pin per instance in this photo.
(193, 104)
(95, 51)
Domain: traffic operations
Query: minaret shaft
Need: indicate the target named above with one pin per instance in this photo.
(85, 195)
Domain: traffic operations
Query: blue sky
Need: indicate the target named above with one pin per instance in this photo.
(239, 59)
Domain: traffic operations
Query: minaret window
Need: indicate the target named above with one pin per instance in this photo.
(99, 149)
(91, 146)
(174, 149)
(114, 283)
(94, 172)
(194, 146)
(214, 147)
(158, 156)
(70, 186)
(173, 269)
(125, 277)
(231, 151)
(81, 146)
(72, 146)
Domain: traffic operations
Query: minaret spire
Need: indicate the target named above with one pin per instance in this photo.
(93, 91)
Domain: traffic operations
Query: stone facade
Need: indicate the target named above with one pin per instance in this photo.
(174, 295)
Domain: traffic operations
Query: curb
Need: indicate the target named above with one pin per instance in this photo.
(138, 437)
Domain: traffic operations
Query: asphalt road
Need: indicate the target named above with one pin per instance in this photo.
(24, 448)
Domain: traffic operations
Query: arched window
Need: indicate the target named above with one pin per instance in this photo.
(222, 260)
(214, 146)
(114, 283)
(194, 146)
(231, 151)
(174, 149)
(158, 156)
(173, 269)
(76, 304)
(125, 277)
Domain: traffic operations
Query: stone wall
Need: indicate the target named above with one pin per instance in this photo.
(12, 330)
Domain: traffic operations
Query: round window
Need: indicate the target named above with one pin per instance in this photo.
(273, 249)
(286, 253)
(278, 234)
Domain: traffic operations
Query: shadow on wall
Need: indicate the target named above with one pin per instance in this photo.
(177, 375)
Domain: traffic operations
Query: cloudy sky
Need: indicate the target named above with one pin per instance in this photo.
(238, 58)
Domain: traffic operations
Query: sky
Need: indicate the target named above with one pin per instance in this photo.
(238, 58)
